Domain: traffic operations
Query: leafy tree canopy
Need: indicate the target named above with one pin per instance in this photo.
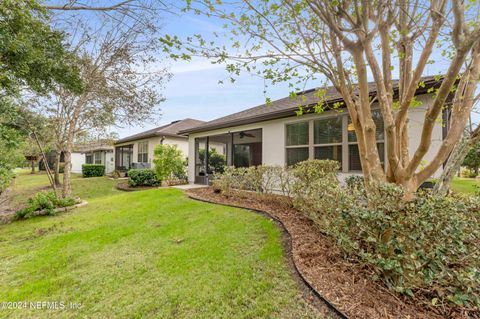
(472, 160)
(31, 53)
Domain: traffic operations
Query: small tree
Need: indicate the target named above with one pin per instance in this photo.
(116, 58)
(472, 160)
(168, 160)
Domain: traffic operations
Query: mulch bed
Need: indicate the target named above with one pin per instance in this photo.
(347, 285)
(123, 186)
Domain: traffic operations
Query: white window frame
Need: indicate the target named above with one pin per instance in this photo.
(310, 136)
(142, 152)
(99, 159)
(345, 143)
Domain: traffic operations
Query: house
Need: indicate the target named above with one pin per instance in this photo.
(276, 135)
(136, 151)
(100, 152)
(77, 160)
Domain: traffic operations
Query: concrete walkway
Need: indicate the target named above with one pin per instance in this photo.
(189, 186)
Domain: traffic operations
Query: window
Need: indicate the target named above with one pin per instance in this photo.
(354, 154)
(295, 155)
(97, 157)
(88, 159)
(297, 134)
(143, 152)
(330, 138)
(297, 142)
(327, 135)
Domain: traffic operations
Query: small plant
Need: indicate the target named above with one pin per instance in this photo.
(43, 201)
(142, 177)
(169, 163)
(355, 182)
(93, 170)
(116, 174)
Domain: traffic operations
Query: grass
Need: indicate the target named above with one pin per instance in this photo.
(465, 185)
(85, 188)
(148, 254)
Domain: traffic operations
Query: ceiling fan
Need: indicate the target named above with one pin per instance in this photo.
(243, 134)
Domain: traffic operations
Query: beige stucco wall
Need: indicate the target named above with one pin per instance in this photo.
(182, 145)
(273, 135)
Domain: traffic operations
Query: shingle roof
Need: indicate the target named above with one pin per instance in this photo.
(171, 129)
(287, 106)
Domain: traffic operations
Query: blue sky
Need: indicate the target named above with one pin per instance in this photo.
(194, 91)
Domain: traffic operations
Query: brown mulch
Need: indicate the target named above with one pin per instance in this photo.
(347, 285)
(123, 186)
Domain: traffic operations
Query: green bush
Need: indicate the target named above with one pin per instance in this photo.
(427, 247)
(47, 201)
(93, 170)
(6, 176)
(169, 163)
(142, 177)
(262, 179)
(355, 182)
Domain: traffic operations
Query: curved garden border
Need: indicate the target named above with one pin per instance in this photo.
(10, 217)
(288, 246)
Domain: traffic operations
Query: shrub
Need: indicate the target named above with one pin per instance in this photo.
(468, 173)
(93, 170)
(6, 176)
(224, 182)
(169, 163)
(355, 182)
(261, 179)
(142, 177)
(426, 246)
(116, 174)
(47, 201)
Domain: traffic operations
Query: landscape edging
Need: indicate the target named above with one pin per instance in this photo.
(289, 236)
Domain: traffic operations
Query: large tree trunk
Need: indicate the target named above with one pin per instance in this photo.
(57, 168)
(453, 165)
(33, 167)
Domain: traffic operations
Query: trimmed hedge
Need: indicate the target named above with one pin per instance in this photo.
(143, 177)
(93, 170)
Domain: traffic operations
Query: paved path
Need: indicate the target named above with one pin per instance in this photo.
(189, 186)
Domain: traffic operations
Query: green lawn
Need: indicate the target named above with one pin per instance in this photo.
(465, 185)
(148, 254)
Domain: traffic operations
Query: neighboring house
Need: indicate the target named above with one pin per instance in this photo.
(136, 151)
(275, 135)
(99, 153)
(77, 160)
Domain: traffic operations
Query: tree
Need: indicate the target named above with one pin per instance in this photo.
(472, 160)
(10, 139)
(115, 58)
(33, 55)
(468, 142)
(344, 43)
(168, 162)
(20, 134)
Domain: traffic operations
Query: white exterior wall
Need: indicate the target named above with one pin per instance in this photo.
(78, 159)
(182, 145)
(274, 135)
